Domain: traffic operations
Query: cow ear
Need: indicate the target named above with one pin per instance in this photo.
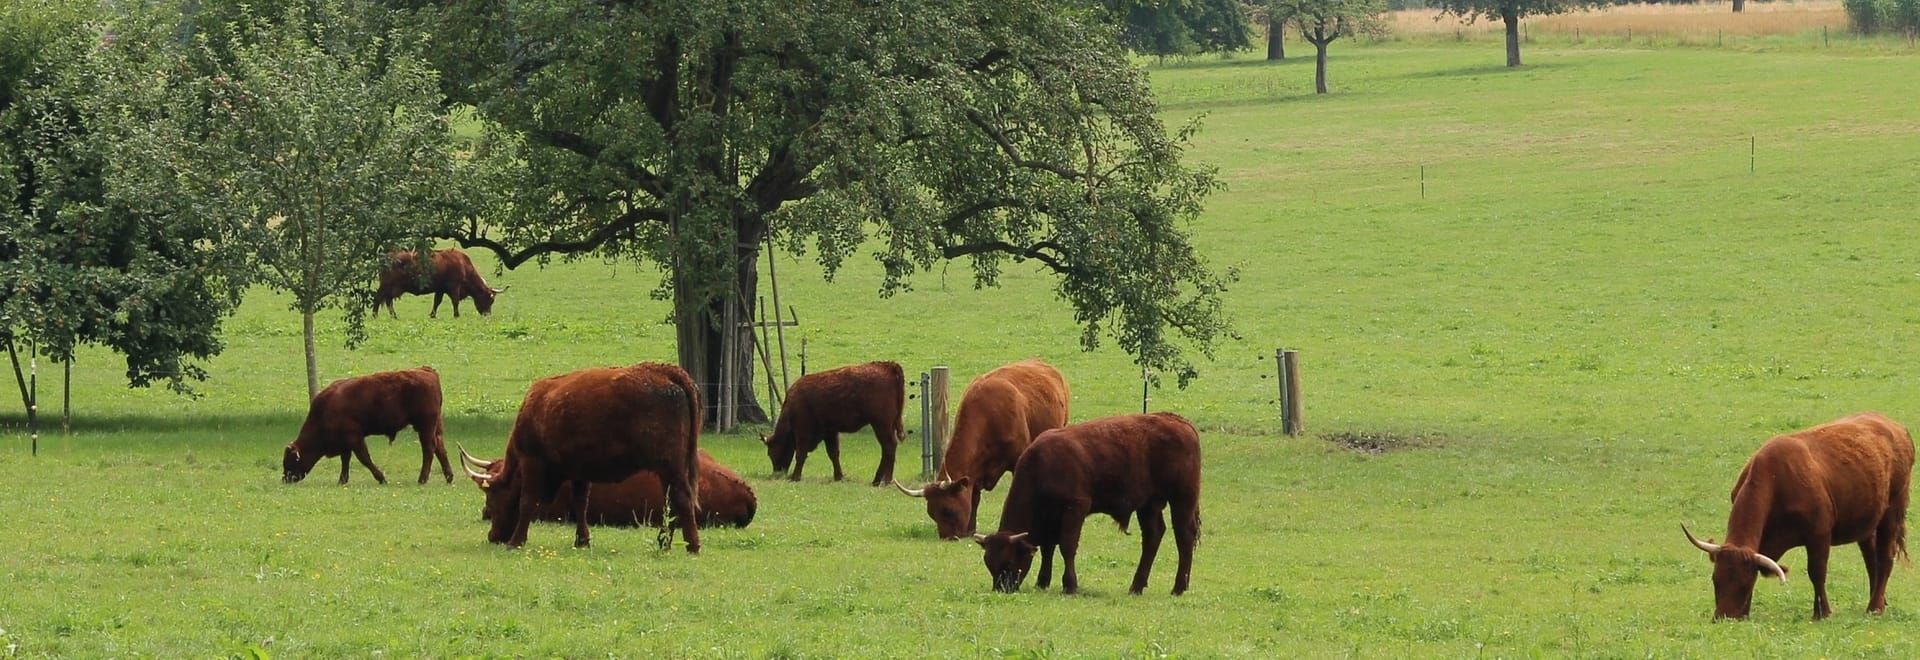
(962, 482)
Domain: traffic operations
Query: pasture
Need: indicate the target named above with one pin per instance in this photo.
(1628, 268)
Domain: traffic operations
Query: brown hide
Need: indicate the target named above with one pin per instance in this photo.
(340, 418)
(725, 499)
(1130, 465)
(1837, 483)
(1001, 412)
(600, 425)
(453, 276)
(821, 406)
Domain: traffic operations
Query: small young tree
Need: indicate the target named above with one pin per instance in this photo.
(1322, 21)
(84, 257)
(332, 147)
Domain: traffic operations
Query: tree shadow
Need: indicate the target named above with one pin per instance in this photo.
(1480, 70)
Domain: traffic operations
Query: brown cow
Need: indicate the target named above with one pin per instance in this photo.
(823, 405)
(342, 415)
(452, 276)
(1000, 413)
(1120, 466)
(1841, 482)
(725, 499)
(599, 425)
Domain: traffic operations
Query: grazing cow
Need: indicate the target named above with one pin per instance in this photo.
(1841, 482)
(453, 276)
(725, 499)
(821, 406)
(1120, 466)
(599, 425)
(340, 418)
(1000, 413)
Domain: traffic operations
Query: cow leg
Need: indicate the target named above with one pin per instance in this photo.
(433, 443)
(360, 450)
(1070, 523)
(1879, 550)
(833, 454)
(1046, 567)
(1186, 532)
(581, 489)
(1817, 551)
(800, 451)
(680, 502)
(345, 462)
(1153, 527)
(973, 515)
(889, 440)
(436, 305)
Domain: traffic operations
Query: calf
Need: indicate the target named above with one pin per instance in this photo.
(1131, 465)
(821, 406)
(340, 418)
(599, 425)
(453, 276)
(1000, 414)
(725, 499)
(1841, 482)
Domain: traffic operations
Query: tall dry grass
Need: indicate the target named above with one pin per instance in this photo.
(1666, 20)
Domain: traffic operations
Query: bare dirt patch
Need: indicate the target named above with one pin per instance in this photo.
(1380, 442)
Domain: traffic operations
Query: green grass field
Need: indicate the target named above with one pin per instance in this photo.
(1569, 344)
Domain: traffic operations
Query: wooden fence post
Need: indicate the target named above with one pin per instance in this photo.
(934, 435)
(1290, 406)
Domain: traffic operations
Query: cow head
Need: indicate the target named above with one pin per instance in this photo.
(293, 465)
(949, 504)
(503, 500)
(483, 299)
(780, 448)
(1735, 569)
(725, 499)
(1008, 557)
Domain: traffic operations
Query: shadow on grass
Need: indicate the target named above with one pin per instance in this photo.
(287, 423)
(1481, 70)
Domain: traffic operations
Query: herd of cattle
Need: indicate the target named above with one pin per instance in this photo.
(620, 446)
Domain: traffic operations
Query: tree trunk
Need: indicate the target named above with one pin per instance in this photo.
(1511, 17)
(703, 342)
(1320, 64)
(313, 369)
(1739, 6)
(1276, 50)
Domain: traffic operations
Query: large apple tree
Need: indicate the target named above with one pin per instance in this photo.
(691, 133)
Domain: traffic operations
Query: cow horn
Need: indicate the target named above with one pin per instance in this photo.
(1778, 570)
(478, 476)
(470, 460)
(1704, 546)
(500, 290)
(980, 538)
(922, 492)
(1017, 537)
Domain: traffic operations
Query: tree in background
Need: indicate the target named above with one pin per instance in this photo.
(1509, 13)
(86, 255)
(692, 133)
(1322, 21)
(1876, 16)
(329, 145)
(1181, 27)
(1262, 12)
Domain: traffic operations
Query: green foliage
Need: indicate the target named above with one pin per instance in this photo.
(1876, 16)
(1182, 27)
(687, 133)
(328, 147)
(85, 260)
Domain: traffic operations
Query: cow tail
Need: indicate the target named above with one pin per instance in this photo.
(696, 417)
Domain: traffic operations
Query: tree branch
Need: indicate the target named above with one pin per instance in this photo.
(578, 144)
(510, 259)
(1056, 260)
(1012, 151)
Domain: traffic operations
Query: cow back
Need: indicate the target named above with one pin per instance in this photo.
(1843, 476)
(380, 403)
(1000, 414)
(604, 424)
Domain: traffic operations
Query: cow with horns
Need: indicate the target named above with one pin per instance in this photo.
(820, 406)
(598, 425)
(1130, 465)
(725, 499)
(1001, 412)
(342, 415)
(1841, 482)
(452, 276)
